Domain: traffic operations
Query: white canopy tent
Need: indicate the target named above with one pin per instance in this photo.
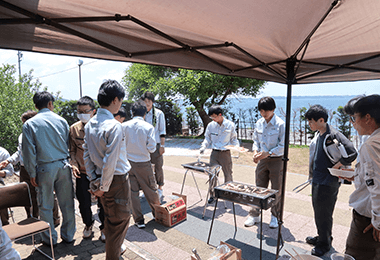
(290, 42)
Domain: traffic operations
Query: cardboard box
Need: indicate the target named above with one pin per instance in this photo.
(234, 254)
(172, 212)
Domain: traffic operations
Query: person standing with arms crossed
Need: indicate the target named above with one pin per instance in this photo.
(219, 134)
(107, 166)
(45, 140)
(156, 118)
(268, 149)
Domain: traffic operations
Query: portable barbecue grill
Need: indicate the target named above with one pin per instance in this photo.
(245, 194)
(211, 170)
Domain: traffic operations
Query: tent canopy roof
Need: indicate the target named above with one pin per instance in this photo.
(326, 40)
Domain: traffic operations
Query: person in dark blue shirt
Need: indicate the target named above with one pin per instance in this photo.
(324, 154)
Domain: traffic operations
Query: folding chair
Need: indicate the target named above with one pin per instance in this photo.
(18, 195)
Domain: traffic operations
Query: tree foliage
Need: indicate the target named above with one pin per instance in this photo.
(344, 125)
(198, 88)
(16, 97)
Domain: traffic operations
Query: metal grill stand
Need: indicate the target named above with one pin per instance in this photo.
(213, 174)
(264, 200)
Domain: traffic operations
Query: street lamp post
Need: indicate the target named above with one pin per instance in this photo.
(80, 62)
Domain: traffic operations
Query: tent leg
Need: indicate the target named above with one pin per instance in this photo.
(290, 65)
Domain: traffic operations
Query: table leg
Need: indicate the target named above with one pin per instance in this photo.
(183, 182)
(196, 184)
(261, 233)
(212, 221)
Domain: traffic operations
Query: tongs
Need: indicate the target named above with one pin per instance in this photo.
(302, 186)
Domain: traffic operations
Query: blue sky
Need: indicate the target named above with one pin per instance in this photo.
(61, 73)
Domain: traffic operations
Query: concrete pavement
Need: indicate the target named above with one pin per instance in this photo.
(159, 242)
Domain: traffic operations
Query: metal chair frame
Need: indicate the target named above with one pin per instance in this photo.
(18, 195)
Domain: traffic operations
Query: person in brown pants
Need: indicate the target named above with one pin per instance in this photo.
(268, 147)
(363, 241)
(220, 133)
(107, 166)
(140, 141)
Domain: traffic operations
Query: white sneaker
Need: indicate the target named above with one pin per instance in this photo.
(102, 236)
(160, 193)
(87, 232)
(273, 222)
(123, 249)
(251, 221)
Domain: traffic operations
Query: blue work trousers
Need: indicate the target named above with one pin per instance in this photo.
(56, 176)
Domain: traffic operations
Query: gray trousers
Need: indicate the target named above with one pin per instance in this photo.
(269, 169)
(141, 177)
(158, 160)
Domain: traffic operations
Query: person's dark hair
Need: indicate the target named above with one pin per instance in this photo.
(28, 115)
(266, 104)
(369, 105)
(349, 107)
(316, 112)
(139, 108)
(149, 95)
(86, 100)
(42, 99)
(215, 110)
(122, 112)
(108, 91)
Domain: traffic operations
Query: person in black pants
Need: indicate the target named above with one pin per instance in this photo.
(85, 110)
(325, 187)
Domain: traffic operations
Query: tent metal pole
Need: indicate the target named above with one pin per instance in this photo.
(290, 66)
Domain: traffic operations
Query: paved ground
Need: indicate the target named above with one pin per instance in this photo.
(159, 242)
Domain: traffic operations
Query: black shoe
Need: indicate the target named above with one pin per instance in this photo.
(319, 251)
(140, 224)
(211, 200)
(48, 245)
(68, 242)
(312, 240)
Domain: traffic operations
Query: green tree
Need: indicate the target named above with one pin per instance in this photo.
(344, 122)
(15, 98)
(198, 88)
(192, 120)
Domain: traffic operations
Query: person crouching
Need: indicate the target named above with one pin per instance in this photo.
(140, 141)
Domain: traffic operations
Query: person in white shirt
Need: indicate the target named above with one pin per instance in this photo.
(5, 171)
(140, 144)
(363, 241)
(268, 149)
(156, 118)
(219, 134)
(6, 250)
(107, 166)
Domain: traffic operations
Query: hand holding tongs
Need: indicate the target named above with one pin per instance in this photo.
(302, 186)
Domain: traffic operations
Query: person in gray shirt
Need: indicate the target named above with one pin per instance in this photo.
(45, 139)
(107, 166)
